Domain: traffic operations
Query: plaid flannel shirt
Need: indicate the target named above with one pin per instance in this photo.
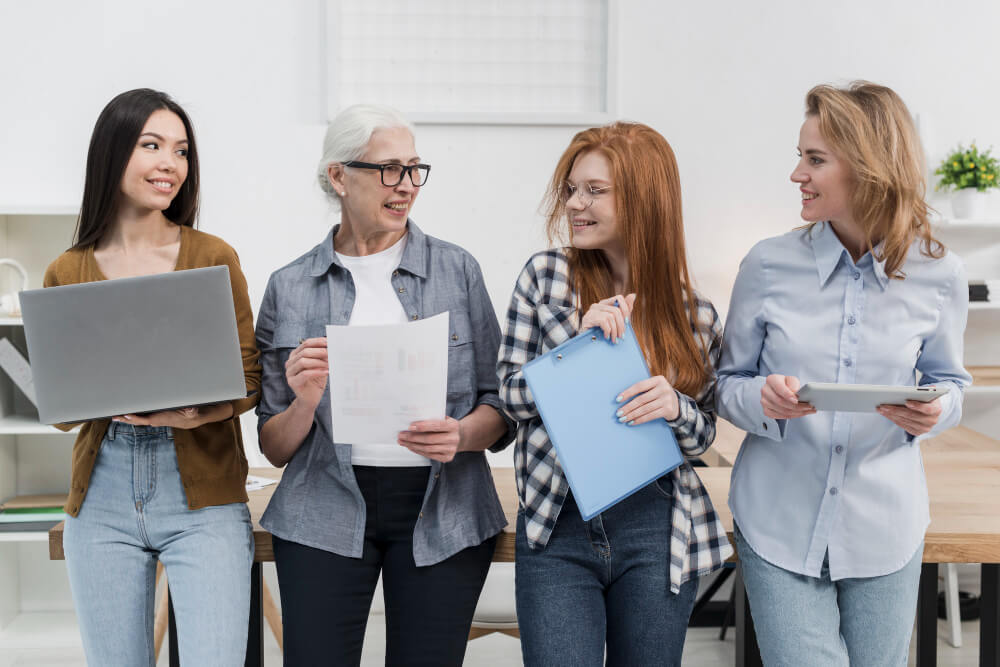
(542, 315)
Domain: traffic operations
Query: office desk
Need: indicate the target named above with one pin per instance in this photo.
(963, 480)
(264, 552)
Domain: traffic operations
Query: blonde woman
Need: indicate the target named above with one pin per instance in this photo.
(831, 508)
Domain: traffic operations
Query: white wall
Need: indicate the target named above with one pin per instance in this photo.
(723, 81)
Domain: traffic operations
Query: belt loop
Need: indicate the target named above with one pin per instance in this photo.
(112, 428)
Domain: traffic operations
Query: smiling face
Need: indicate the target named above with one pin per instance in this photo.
(593, 222)
(158, 165)
(369, 207)
(824, 178)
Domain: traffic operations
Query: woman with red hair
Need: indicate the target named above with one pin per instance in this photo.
(623, 583)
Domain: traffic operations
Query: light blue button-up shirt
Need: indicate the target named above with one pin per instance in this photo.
(851, 484)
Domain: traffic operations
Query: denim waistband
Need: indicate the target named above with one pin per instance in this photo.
(145, 432)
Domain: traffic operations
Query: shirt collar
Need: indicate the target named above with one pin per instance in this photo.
(414, 254)
(828, 251)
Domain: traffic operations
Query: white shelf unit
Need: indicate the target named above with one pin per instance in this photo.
(36, 608)
(977, 242)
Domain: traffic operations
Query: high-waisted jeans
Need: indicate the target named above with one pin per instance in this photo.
(135, 513)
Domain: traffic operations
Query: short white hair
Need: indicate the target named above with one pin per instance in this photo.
(348, 134)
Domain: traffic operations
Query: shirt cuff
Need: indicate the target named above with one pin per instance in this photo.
(764, 426)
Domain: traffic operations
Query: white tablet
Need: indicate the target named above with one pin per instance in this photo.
(863, 397)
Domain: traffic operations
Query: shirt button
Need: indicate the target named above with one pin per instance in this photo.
(454, 336)
(401, 290)
(833, 491)
(847, 362)
(413, 317)
(421, 515)
(839, 449)
(856, 275)
(851, 319)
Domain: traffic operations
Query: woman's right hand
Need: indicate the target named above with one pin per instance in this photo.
(609, 317)
(779, 400)
(307, 370)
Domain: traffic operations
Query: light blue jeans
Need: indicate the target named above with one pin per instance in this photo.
(802, 620)
(134, 513)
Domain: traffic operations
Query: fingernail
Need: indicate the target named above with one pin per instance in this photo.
(631, 423)
(618, 414)
(622, 420)
(621, 397)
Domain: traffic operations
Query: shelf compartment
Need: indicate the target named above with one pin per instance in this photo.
(41, 629)
(985, 376)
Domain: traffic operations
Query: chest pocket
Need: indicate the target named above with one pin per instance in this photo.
(556, 323)
(288, 335)
(461, 360)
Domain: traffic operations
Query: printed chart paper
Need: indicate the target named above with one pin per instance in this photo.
(383, 378)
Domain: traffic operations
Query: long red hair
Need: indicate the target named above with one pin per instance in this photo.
(647, 191)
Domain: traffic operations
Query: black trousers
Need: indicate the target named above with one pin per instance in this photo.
(326, 598)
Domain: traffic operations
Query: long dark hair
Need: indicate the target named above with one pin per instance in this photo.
(111, 145)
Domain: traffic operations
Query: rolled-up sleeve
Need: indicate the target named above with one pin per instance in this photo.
(694, 426)
(740, 378)
(521, 336)
(276, 395)
(486, 340)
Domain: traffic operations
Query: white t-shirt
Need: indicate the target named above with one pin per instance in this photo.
(375, 302)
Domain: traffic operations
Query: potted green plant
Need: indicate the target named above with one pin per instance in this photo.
(970, 173)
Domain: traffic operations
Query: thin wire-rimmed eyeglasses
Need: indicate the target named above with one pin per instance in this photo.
(392, 174)
(585, 191)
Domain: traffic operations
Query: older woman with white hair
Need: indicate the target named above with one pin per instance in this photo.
(421, 511)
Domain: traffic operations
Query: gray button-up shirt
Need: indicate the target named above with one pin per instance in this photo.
(318, 502)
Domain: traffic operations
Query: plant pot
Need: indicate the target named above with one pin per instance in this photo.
(968, 204)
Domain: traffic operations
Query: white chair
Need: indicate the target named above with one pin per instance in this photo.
(496, 611)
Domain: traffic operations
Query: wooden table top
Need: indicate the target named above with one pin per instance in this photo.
(963, 481)
(963, 478)
(264, 551)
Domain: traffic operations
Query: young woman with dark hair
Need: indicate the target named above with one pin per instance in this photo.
(623, 583)
(166, 486)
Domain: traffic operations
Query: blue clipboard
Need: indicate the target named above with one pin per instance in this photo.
(574, 386)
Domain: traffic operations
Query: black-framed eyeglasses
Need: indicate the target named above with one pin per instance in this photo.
(392, 174)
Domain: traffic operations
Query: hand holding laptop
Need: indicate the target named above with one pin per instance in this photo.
(191, 417)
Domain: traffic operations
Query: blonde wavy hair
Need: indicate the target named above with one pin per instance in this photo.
(869, 127)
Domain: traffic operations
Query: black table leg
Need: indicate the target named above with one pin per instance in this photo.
(927, 597)
(989, 619)
(255, 634)
(175, 659)
(747, 650)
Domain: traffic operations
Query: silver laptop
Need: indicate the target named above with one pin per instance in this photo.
(133, 345)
